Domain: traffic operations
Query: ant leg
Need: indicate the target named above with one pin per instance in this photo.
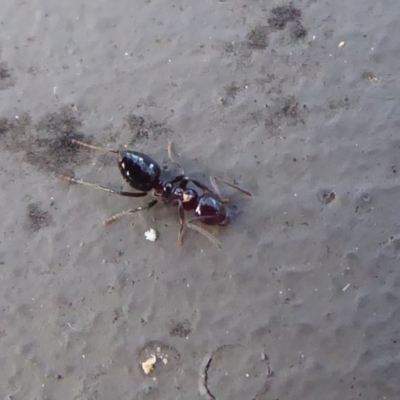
(204, 232)
(178, 178)
(111, 219)
(216, 188)
(106, 189)
(90, 146)
(203, 187)
(181, 223)
(184, 182)
(214, 180)
(172, 158)
(196, 228)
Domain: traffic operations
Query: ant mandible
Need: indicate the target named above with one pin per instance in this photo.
(142, 173)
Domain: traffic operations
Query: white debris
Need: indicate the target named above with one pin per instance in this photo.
(341, 44)
(346, 287)
(148, 365)
(151, 235)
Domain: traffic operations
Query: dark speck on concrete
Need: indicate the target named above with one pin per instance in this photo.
(53, 149)
(143, 128)
(38, 218)
(281, 15)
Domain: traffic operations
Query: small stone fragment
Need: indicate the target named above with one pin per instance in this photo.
(148, 365)
(151, 235)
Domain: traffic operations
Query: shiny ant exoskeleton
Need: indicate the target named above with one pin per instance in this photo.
(143, 174)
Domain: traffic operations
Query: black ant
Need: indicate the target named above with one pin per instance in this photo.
(143, 174)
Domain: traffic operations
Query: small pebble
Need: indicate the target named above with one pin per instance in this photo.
(151, 235)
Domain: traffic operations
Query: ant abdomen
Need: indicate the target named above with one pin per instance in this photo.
(139, 170)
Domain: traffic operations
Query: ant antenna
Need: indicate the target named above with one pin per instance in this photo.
(90, 146)
(214, 181)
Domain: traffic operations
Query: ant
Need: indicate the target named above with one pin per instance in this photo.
(142, 173)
